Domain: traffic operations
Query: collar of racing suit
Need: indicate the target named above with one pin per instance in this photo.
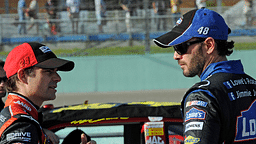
(232, 66)
(21, 105)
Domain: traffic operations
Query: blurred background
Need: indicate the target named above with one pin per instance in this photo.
(100, 24)
(102, 21)
(110, 24)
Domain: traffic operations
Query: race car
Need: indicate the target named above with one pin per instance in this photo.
(146, 122)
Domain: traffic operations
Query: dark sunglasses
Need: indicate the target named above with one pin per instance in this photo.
(182, 48)
(4, 79)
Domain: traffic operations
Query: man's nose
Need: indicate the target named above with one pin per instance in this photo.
(176, 56)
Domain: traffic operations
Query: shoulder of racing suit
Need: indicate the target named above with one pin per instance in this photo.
(19, 128)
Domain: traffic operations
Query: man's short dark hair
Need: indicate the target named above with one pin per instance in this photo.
(11, 84)
(224, 47)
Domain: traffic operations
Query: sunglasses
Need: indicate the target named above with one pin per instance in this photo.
(182, 48)
(4, 79)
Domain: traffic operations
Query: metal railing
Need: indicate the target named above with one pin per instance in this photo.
(87, 26)
(87, 22)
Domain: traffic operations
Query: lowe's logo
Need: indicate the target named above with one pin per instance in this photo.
(246, 124)
(195, 113)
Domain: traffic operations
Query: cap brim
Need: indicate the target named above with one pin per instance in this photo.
(178, 34)
(165, 40)
(60, 64)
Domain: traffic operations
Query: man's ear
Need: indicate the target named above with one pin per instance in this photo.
(22, 76)
(210, 44)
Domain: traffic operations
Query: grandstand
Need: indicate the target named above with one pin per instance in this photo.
(115, 30)
(89, 4)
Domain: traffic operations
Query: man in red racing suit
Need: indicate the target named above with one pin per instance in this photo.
(20, 120)
(32, 72)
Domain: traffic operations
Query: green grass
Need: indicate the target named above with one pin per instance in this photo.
(245, 46)
(135, 50)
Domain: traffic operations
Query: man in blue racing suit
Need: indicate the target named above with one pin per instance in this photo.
(221, 108)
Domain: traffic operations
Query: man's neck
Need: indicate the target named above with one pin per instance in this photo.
(213, 59)
(31, 98)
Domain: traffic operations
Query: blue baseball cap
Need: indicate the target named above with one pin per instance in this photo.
(200, 23)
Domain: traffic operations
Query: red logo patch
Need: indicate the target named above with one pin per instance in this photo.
(24, 62)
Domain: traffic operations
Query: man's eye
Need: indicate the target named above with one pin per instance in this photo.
(49, 70)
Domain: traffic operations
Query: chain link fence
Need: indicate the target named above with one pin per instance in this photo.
(142, 26)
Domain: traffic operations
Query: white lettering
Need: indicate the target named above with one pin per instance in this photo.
(198, 114)
(24, 105)
(237, 82)
(244, 133)
(2, 118)
(203, 30)
(155, 140)
(250, 81)
(26, 136)
(252, 126)
(229, 84)
(232, 95)
(194, 126)
(241, 94)
(45, 49)
(245, 82)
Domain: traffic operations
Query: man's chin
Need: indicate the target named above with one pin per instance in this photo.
(188, 74)
(52, 97)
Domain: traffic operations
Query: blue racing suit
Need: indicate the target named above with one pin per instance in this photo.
(221, 108)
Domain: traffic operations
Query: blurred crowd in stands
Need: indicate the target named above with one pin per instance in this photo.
(30, 12)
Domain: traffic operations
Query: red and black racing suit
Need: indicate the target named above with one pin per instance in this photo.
(221, 108)
(19, 122)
